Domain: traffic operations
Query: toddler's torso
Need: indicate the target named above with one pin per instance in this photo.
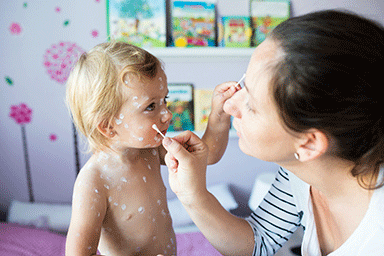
(137, 221)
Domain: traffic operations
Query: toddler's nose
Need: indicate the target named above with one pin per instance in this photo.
(166, 115)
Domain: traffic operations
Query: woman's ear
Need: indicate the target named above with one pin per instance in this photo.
(106, 129)
(312, 145)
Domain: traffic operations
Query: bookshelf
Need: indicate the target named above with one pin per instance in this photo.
(203, 54)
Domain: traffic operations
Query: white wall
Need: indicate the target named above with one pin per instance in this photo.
(52, 162)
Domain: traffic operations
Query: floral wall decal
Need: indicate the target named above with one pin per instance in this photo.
(15, 28)
(59, 59)
(22, 115)
(9, 80)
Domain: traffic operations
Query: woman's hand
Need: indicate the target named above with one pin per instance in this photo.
(187, 161)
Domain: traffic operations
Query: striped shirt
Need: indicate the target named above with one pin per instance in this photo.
(287, 205)
(276, 218)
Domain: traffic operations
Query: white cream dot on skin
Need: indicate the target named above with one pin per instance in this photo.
(154, 152)
(121, 116)
(160, 79)
(106, 186)
(125, 125)
(140, 138)
(135, 98)
(123, 207)
(123, 179)
(149, 167)
(96, 191)
(118, 121)
(141, 209)
(115, 204)
(159, 202)
(144, 179)
(110, 199)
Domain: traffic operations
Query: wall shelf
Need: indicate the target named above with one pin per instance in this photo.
(202, 54)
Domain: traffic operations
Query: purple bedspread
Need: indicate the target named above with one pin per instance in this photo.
(18, 240)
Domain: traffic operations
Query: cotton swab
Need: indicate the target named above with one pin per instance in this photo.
(242, 78)
(154, 127)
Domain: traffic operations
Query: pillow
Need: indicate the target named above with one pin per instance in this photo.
(41, 215)
(260, 188)
(221, 191)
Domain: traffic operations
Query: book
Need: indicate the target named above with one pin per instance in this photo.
(139, 22)
(203, 104)
(193, 23)
(237, 31)
(266, 15)
(180, 102)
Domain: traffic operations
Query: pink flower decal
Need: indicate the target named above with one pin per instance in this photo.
(22, 114)
(53, 137)
(95, 33)
(15, 28)
(59, 59)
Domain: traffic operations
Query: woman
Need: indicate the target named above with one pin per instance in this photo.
(311, 103)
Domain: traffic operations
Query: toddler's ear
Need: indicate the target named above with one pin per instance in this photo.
(106, 129)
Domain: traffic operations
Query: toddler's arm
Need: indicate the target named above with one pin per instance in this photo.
(88, 211)
(219, 122)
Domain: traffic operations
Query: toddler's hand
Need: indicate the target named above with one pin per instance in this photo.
(221, 94)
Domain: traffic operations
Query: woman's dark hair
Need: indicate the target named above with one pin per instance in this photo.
(331, 78)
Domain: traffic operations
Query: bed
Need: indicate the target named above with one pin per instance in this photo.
(36, 229)
(26, 240)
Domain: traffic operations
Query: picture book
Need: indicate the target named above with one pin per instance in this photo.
(266, 15)
(203, 103)
(180, 102)
(237, 31)
(139, 22)
(193, 23)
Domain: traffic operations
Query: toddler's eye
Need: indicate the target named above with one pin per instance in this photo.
(151, 107)
(165, 99)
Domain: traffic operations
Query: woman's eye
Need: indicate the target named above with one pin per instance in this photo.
(151, 107)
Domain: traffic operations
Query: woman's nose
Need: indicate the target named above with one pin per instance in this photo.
(231, 107)
(166, 115)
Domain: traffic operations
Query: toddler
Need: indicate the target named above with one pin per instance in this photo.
(115, 93)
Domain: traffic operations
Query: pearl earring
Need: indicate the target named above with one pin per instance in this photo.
(297, 156)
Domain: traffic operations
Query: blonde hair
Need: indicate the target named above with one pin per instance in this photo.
(94, 93)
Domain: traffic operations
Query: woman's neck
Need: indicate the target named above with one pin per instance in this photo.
(330, 175)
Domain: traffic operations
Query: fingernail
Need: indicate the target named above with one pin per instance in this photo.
(167, 141)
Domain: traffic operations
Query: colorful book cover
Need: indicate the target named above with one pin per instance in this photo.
(139, 22)
(266, 15)
(180, 102)
(203, 104)
(237, 31)
(193, 23)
